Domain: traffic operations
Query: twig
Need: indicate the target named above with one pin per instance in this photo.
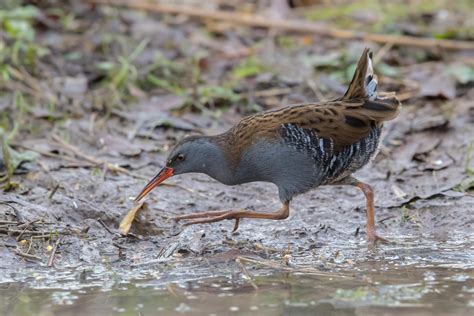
(246, 273)
(44, 236)
(24, 227)
(55, 189)
(93, 160)
(300, 26)
(28, 224)
(53, 253)
(5, 244)
(32, 232)
(7, 222)
(27, 255)
(48, 154)
(101, 222)
(30, 244)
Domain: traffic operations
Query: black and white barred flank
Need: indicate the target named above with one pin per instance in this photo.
(330, 165)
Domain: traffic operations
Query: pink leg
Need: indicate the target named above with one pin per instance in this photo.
(372, 237)
(216, 216)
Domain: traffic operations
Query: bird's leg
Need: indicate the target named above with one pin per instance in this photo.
(216, 216)
(372, 237)
(199, 215)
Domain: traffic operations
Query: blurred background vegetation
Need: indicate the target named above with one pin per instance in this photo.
(63, 60)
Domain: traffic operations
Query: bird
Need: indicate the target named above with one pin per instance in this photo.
(296, 147)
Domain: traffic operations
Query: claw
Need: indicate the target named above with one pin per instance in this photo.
(236, 225)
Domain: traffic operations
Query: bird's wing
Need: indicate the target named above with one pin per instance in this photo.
(343, 122)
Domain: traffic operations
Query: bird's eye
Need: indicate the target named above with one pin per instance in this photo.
(180, 158)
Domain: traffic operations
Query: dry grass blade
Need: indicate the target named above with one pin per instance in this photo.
(77, 152)
(32, 86)
(53, 253)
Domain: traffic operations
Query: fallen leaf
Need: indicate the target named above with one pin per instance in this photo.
(429, 122)
(434, 81)
(127, 221)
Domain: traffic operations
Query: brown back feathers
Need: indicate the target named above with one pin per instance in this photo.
(345, 120)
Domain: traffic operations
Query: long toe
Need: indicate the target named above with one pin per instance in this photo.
(199, 215)
(376, 239)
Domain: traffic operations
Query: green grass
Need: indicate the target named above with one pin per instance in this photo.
(20, 47)
(388, 13)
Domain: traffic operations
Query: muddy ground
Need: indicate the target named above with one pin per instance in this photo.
(84, 158)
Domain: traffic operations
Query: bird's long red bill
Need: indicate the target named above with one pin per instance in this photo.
(165, 173)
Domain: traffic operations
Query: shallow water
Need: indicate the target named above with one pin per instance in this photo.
(419, 276)
(401, 291)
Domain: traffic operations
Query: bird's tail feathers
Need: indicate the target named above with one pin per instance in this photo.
(364, 82)
(380, 108)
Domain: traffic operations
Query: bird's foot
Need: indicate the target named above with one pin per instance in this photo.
(373, 239)
(209, 217)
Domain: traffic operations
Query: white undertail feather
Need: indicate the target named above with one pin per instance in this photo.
(370, 79)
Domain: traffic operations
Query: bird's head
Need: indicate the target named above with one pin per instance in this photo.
(192, 154)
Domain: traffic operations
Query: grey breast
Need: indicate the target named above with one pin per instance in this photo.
(293, 171)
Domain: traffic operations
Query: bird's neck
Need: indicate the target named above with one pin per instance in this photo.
(216, 164)
(237, 170)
